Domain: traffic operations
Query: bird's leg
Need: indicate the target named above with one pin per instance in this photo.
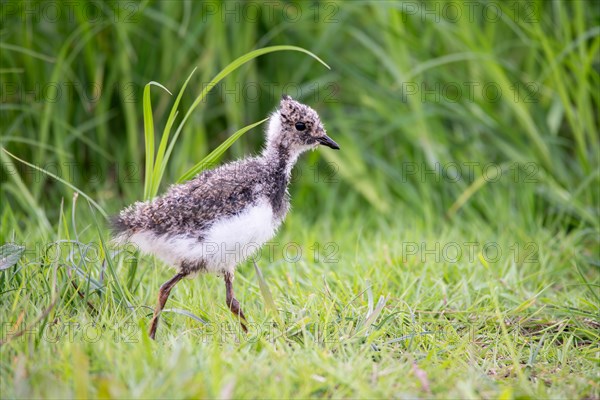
(163, 295)
(232, 302)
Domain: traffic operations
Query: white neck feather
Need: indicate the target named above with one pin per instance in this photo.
(272, 151)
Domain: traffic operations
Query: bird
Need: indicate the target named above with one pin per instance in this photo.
(217, 219)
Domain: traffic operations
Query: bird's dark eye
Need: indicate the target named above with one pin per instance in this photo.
(300, 126)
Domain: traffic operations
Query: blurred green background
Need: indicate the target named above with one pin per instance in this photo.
(425, 99)
(459, 123)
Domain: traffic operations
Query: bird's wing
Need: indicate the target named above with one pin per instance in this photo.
(196, 204)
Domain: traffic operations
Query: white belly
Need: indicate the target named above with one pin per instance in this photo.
(229, 242)
(225, 244)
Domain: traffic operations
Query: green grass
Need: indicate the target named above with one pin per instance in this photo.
(515, 327)
(378, 304)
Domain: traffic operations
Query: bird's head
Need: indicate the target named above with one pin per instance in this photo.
(297, 128)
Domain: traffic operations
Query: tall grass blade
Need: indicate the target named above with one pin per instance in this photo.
(211, 159)
(88, 198)
(123, 293)
(234, 65)
(149, 137)
(265, 291)
(159, 165)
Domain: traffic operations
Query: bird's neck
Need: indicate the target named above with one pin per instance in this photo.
(280, 158)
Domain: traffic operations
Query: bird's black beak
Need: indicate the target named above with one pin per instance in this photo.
(329, 142)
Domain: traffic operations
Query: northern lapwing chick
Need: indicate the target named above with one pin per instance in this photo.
(214, 221)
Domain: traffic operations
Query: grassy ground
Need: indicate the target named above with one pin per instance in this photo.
(524, 325)
(450, 250)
